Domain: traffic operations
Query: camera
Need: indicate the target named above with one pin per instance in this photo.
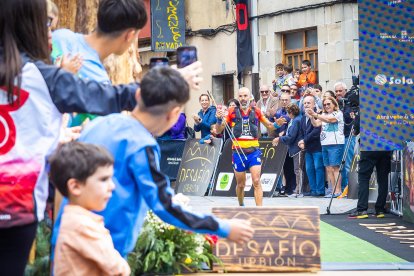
(351, 98)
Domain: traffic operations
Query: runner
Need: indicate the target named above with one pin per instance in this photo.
(244, 122)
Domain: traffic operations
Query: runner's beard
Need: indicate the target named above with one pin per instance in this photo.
(245, 104)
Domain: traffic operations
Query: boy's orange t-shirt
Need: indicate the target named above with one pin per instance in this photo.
(305, 79)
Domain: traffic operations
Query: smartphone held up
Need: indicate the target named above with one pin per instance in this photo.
(186, 55)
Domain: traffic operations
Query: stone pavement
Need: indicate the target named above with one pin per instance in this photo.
(204, 204)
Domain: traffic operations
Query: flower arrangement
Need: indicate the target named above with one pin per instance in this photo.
(164, 249)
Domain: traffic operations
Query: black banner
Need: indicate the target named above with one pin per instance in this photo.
(244, 40)
(197, 166)
(171, 153)
(167, 25)
(272, 165)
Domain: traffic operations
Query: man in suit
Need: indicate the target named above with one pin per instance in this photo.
(311, 142)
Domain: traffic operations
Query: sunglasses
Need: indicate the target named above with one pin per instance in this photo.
(49, 21)
(264, 92)
(285, 90)
(327, 104)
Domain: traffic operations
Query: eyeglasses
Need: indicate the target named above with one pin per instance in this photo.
(49, 21)
(327, 104)
(285, 90)
(264, 92)
(294, 89)
(339, 90)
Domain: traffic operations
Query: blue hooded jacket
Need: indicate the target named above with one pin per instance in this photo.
(208, 118)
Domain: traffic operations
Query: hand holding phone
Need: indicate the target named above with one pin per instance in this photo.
(186, 55)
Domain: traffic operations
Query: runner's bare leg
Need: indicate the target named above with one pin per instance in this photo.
(258, 191)
(241, 183)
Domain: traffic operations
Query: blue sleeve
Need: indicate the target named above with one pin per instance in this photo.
(71, 94)
(157, 193)
(208, 120)
(292, 134)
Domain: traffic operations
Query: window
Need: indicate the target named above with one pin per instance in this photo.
(223, 87)
(300, 45)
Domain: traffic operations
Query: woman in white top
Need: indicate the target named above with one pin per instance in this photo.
(332, 139)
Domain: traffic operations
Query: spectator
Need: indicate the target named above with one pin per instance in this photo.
(381, 160)
(307, 78)
(53, 13)
(177, 131)
(310, 92)
(329, 93)
(279, 81)
(291, 139)
(36, 94)
(311, 142)
(140, 185)
(205, 117)
(288, 169)
(268, 105)
(317, 89)
(289, 75)
(213, 134)
(83, 173)
(332, 139)
(296, 75)
(111, 36)
(294, 92)
(232, 103)
(349, 119)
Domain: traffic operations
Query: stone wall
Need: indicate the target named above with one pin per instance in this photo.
(337, 30)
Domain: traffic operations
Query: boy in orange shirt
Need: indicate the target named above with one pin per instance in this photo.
(83, 173)
(307, 78)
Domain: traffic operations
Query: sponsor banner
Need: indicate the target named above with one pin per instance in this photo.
(167, 25)
(224, 181)
(171, 153)
(386, 51)
(197, 167)
(272, 164)
(286, 239)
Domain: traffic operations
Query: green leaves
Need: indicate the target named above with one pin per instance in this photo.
(163, 248)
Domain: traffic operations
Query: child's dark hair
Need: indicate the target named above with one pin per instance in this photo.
(76, 160)
(317, 86)
(280, 66)
(306, 62)
(161, 89)
(116, 16)
(288, 68)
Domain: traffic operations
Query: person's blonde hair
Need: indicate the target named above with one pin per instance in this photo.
(52, 9)
(334, 102)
